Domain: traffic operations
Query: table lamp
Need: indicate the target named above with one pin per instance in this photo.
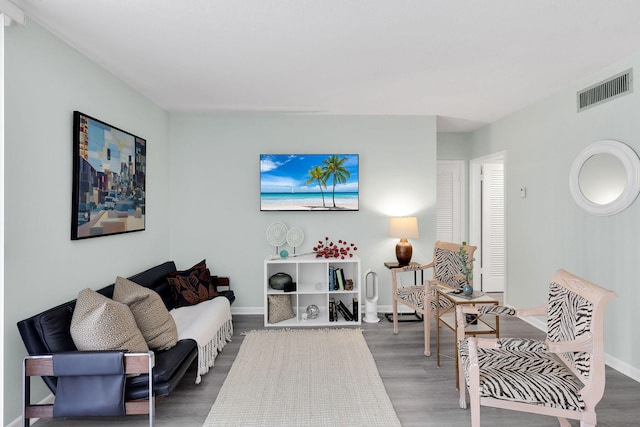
(403, 227)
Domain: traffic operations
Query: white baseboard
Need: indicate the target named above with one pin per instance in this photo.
(622, 367)
(247, 310)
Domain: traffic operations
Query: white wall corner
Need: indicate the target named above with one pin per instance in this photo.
(11, 13)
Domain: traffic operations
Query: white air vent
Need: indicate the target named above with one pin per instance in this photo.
(618, 85)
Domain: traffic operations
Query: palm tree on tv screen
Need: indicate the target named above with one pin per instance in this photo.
(317, 174)
(333, 169)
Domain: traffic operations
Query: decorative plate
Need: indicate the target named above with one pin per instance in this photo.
(277, 234)
(295, 236)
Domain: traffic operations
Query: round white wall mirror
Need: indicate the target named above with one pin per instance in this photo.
(605, 177)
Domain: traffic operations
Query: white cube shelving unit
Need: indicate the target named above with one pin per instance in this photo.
(311, 276)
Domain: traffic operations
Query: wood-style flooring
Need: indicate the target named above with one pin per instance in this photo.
(422, 394)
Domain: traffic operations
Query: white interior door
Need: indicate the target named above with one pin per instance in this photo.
(493, 239)
(487, 221)
(450, 206)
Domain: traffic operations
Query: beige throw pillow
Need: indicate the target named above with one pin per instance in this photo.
(280, 308)
(152, 317)
(99, 323)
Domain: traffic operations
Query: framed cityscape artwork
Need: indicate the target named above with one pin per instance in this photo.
(109, 179)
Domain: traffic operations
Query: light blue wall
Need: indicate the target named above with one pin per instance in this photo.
(454, 146)
(45, 81)
(547, 230)
(215, 171)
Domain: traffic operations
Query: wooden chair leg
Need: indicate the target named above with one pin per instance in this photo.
(474, 383)
(427, 333)
(462, 387)
(394, 306)
(589, 419)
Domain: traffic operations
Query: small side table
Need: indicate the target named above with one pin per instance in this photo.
(406, 317)
(448, 317)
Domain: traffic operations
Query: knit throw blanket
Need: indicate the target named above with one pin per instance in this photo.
(209, 324)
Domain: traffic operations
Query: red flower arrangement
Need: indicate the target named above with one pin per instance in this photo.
(329, 249)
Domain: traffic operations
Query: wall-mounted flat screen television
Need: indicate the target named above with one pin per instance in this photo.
(309, 182)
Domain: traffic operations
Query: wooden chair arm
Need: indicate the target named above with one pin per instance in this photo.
(414, 266)
(535, 311)
(519, 312)
(583, 343)
(411, 267)
(434, 284)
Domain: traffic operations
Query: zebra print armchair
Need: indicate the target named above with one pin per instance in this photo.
(563, 376)
(447, 269)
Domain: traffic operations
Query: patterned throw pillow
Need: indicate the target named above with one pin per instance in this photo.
(100, 323)
(280, 308)
(192, 286)
(152, 317)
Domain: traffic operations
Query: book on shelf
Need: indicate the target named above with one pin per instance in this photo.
(346, 313)
(332, 277)
(340, 277)
(332, 309)
(341, 311)
(356, 307)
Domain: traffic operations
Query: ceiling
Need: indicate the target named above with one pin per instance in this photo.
(469, 62)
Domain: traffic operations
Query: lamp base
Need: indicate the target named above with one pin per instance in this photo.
(404, 250)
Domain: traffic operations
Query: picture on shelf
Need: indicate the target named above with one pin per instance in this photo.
(309, 182)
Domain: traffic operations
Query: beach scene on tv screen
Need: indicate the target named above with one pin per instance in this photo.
(311, 182)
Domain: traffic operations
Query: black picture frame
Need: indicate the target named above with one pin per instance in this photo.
(109, 179)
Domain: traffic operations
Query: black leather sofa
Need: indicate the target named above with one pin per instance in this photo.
(49, 333)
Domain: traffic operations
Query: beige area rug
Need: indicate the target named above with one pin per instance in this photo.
(324, 377)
